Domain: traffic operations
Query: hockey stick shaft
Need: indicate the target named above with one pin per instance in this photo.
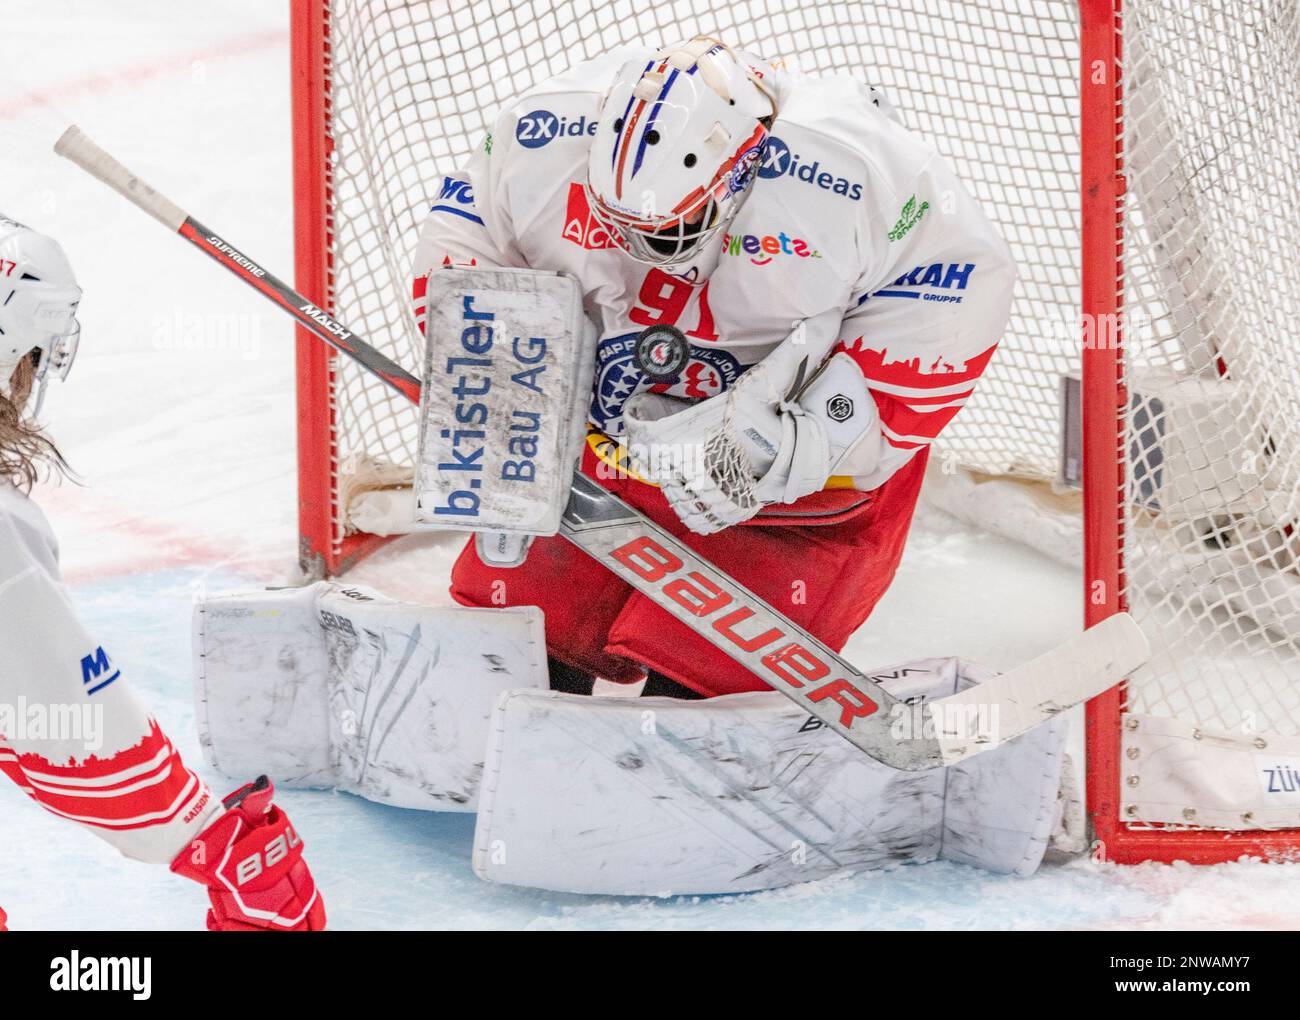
(704, 598)
(804, 669)
(74, 145)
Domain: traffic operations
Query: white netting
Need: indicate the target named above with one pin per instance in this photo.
(1213, 239)
(993, 86)
(1212, 133)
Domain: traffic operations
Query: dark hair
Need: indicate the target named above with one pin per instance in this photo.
(23, 446)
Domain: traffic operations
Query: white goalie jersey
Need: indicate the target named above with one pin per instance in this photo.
(856, 229)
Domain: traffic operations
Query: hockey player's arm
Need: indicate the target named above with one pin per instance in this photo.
(854, 394)
(469, 222)
(921, 333)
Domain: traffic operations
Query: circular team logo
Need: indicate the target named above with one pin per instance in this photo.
(744, 171)
(705, 372)
(776, 158)
(661, 353)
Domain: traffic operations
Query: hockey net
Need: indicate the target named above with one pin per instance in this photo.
(1165, 241)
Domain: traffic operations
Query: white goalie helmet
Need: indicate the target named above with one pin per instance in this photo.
(38, 306)
(678, 145)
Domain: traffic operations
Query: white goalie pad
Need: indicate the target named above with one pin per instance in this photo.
(662, 797)
(337, 686)
(507, 373)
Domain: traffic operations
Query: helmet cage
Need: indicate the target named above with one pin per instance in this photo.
(56, 359)
(667, 240)
(42, 319)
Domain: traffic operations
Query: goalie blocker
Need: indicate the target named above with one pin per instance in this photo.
(507, 369)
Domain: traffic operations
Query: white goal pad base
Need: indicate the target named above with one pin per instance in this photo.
(657, 796)
(337, 686)
(1174, 773)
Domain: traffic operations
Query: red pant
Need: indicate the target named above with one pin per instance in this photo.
(824, 561)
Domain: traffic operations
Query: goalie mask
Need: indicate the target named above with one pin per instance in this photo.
(679, 142)
(38, 306)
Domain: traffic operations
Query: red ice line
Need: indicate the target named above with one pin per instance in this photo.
(181, 549)
(105, 81)
(171, 546)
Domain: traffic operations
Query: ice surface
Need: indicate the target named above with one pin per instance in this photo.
(179, 420)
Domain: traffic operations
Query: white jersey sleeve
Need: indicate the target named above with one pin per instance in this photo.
(31, 529)
(466, 224)
(924, 327)
(72, 735)
(514, 179)
(933, 286)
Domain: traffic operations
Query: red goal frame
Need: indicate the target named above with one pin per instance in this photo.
(323, 551)
(1105, 401)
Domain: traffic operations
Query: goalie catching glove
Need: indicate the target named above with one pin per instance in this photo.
(774, 437)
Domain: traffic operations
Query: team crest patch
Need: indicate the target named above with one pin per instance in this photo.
(704, 372)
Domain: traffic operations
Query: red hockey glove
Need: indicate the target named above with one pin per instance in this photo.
(250, 859)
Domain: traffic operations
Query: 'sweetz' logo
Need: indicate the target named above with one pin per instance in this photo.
(908, 218)
(763, 247)
(94, 668)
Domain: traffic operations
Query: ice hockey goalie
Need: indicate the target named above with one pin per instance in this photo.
(794, 295)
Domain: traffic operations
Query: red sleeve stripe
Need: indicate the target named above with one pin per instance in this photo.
(930, 398)
(903, 442)
(958, 391)
(70, 788)
(903, 423)
(143, 785)
(115, 817)
(905, 377)
(103, 778)
(419, 290)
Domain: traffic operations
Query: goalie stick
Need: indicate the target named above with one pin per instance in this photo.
(704, 598)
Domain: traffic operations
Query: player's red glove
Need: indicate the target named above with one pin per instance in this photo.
(250, 859)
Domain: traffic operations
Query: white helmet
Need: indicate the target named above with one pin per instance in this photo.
(679, 142)
(38, 305)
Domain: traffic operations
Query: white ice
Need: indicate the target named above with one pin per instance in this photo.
(180, 422)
